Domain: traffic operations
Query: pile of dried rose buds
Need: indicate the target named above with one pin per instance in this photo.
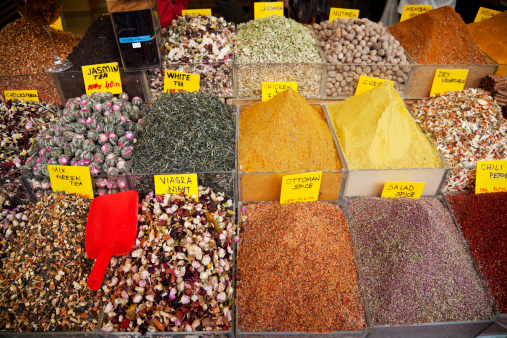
(178, 275)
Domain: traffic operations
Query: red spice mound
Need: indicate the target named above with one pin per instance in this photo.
(439, 37)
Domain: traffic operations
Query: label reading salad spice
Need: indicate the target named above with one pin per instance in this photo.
(25, 95)
(174, 184)
(491, 176)
(366, 83)
(409, 11)
(403, 189)
(178, 81)
(301, 187)
(346, 13)
(264, 9)
(72, 179)
(202, 11)
(270, 89)
(485, 13)
(446, 80)
(103, 77)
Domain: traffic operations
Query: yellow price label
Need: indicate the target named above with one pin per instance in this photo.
(72, 179)
(366, 83)
(301, 187)
(174, 184)
(270, 89)
(202, 11)
(25, 95)
(485, 13)
(403, 189)
(103, 77)
(178, 81)
(491, 176)
(346, 13)
(264, 9)
(409, 11)
(446, 80)
(57, 24)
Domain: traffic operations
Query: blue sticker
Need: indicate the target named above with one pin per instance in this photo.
(135, 39)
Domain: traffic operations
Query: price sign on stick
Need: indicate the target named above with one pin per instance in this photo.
(346, 13)
(409, 11)
(491, 176)
(25, 95)
(448, 80)
(103, 77)
(366, 83)
(301, 187)
(264, 9)
(403, 189)
(72, 179)
(178, 81)
(174, 184)
(485, 13)
(270, 89)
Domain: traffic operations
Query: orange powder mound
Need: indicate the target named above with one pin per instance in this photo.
(491, 36)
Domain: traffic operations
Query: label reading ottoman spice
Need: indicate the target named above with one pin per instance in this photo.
(270, 89)
(409, 11)
(366, 83)
(403, 189)
(174, 184)
(301, 187)
(264, 9)
(346, 13)
(485, 13)
(491, 176)
(447, 80)
(201, 11)
(178, 81)
(72, 179)
(25, 95)
(103, 77)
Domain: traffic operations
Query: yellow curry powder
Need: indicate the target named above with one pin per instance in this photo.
(285, 133)
(376, 131)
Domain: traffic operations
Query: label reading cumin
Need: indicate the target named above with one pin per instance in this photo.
(403, 189)
(264, 9)
(366, 83)
(25, 95)
(103, 77)
(409, 11)
(491, 176)
(485, 13)
(301, 187)
(346, 13)
(446, 80)
(174, 184)
(270, 89)
(201, 11)
(178, 81)
(72, 179)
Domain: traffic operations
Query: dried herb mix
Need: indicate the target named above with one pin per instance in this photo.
(305, 280)
(482, 221)
(413, 263)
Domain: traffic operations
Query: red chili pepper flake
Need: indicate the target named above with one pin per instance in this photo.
(482, 220)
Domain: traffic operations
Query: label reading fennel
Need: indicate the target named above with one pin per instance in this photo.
(25, 95)
(201, 11)
(346, 13)
(270, 89)
(409, 11)
(485, 13)
(178, 81)
(403, 189)
(103, 77)
(491, 176)
(72, 179)
(366, 83)
(301, 187)
(174, 184)
(448, 80)
(264, 9)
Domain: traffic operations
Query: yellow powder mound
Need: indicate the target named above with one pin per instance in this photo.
(376, 131)
(491, 36)
(285, 134)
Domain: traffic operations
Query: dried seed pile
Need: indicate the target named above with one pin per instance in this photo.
(186, 132)
(356, 47)
(43, 285)
(413, 262)
(178, 276)
(482, 221)
(200, 45)
(12, 217)
(297, 270)
(466, 126)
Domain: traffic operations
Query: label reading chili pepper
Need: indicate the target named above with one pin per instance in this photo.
(72, 179)
(178, 81)
(346, 13)
(409, 11)
(485, 13)
(202, 11)
(366, 83)
(104, 77)
(403, 189)
(264, 9)
(301, 187)
(25, 95)
(270, 89)
(446, 80)
(491, 176)
(174, 184)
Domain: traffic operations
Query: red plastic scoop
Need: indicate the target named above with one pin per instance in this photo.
(110, 231)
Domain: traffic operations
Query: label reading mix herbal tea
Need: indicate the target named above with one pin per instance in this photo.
(103, 77)
(446, 80)
(491, 176)
(25, 95)
(301, 187)
(177, 81)
(409, 11)
(346, 13)
(174, 184)
(403, 189)
(270, 89)
(264, 9)
(72, 179)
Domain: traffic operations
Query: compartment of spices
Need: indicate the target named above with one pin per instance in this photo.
(277, 49)
(282, 136)
(138, 32)
(439, 39)
(415, 269)
(202, 45)
(296, 287)
(43, 83)
(382, 142)
(355, 47)
(466, 126)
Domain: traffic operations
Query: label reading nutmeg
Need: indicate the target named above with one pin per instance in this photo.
(409, 11)
(264, 9)
(485, 13)
(346, 13)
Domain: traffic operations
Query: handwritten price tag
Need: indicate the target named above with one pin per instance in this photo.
(409, 11)
(178, 81)
(491, 176)
(72, 179)
(448, 80)
(346, 13)
(301, 187)
(25, 95)
(270, 89)
(403, 189)
(202, 11)
(366, 83)
(485, 13)
(103, 77)
(57, 24)
(264, 9)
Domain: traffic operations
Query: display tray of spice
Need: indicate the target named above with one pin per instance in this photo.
(439, 39)
(466, 126)
(304, 284)
(415, 269)
(382, 142)
(277, 49)
(355, 47)
(179, 274)
(202, 45)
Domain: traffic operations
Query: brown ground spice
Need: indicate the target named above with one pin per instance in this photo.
(491, 36)
(438, 37)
